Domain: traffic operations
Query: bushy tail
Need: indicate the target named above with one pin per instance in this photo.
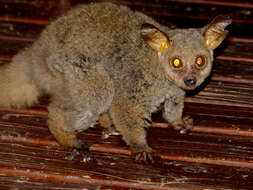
(17, 88)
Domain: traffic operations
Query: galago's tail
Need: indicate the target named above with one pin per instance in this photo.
(17, 88)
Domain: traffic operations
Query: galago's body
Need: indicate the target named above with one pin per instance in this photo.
(103, 62)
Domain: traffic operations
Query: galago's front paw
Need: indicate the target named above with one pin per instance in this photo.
(81, 152)
(184, 125)
(144, 154)
(106, 133)
(84, 155)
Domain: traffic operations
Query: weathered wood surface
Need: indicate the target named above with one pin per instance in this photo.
(217, 154)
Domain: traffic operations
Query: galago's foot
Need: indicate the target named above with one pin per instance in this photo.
(144, 154)
(82, 153)
(106, 133)
(184, 125)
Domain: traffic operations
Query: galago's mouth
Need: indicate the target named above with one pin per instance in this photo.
(189, 87)
(189, 83)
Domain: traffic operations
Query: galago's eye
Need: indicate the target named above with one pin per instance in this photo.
(176, 64)
(200, 62)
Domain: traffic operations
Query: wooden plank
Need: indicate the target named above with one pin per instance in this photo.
(232, 79)
(228, 67)
(240, 94)
(31, 130)
(12, 182)
(38, 12)
(187, 9)
(37, 160)
(24, 31)
(238, 49)
(169, 175)
(230, 3)
(242, 3)
(68, 178)
(11, 47)
(169, 13)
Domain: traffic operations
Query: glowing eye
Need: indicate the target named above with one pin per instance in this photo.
(176, 64)
(200, 62)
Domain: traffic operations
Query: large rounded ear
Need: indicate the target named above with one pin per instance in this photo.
(215, 32)
(154, 37)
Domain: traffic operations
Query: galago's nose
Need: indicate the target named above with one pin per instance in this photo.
(191, 81)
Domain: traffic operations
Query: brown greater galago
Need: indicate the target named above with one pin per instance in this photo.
(104, 62)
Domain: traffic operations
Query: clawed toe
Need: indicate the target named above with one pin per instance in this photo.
(184, 125)
(107, 133)
(145, 157)
(84, 155)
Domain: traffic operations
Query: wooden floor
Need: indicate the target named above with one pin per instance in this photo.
(216, 155)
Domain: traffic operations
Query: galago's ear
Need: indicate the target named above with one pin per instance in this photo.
(215, 32)
(154, 37)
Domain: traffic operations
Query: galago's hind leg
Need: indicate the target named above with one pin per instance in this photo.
(77, 105)
(60, 124)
